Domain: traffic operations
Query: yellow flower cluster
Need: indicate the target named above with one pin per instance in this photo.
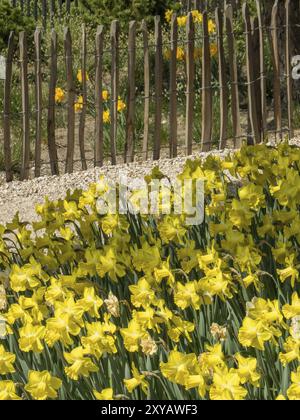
(104, 306)
(197, 18)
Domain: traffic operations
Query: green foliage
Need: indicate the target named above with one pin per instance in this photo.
(104, 11)
(12, 19)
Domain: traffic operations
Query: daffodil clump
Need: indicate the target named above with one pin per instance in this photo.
(137, 306)
(198, 50)
(60, 99)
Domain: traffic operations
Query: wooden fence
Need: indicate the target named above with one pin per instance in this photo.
(227, 89)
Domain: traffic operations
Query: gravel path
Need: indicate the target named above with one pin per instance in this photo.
(23, 196)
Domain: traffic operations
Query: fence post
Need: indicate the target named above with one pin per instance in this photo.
(130, 123)
(114, 37)
(173, 87)
(146, 89)
(263, 88)
(38, 99)
(71, 100)
(51, 106)
(276, 70)
(82, 120)
(7, 108)
(235, 102)
(222, 80)
(99, 97)
(25, 106)
(206, 89)
(288, 67)
(158, 88)
(190, 88)
(250, 76)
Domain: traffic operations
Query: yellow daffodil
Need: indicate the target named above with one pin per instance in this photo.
(80, 76)
(136, 381)
(247, 370)
(59, 95)
(81, 365)
(105, 95)
(227, 386)
(7, 361)
(293, 392)
(179, 367)
(8, 391)
(41, 385)
(31, 337)
(104, 395)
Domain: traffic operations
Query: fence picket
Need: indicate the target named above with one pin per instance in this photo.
(146, 89)
(71, 101)
(51, 106)
(206, 89)
(235, 102)
(158, 88)
(288, 67)
(173, 87)
(256, 73)
(99, 97)
(114, 37)
(25, 106)
(222, 80)
(262, 75)
(38, 100)
(276, 70)
(250, 76)
(190, 86)
(130, 126)
(81, 132)
(7, 108)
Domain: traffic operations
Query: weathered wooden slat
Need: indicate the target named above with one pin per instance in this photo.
(146, 90)
(263, 88)
(70, 100)
(190, 86)
(173, 88)
(206, 89)
(276, 70)
(99, 155)
(25, 106)
(288, 67)
(158, 88)
(114, 37)
(51, 106)
(232, 60)
(130, 123)
(250, 76)
(7, 108)
(222, 80)
(38, 101)
(256, 71)
(82, 120)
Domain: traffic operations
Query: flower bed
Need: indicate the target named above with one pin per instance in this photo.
(118, 306)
